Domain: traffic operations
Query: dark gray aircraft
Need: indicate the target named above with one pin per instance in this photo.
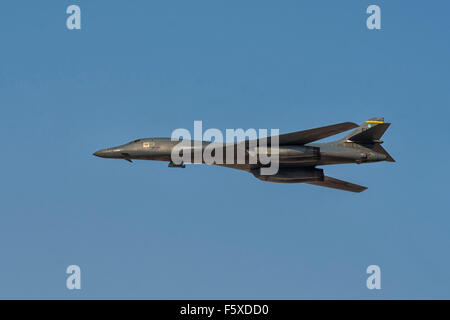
(298, 156)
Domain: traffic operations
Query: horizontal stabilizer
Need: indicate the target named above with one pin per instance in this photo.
(379, 149)
(372, 134)
(307, 136)
(330, 182)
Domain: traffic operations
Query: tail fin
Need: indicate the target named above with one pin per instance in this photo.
(369, 134)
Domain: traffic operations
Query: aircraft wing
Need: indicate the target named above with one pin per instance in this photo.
(330, 182)
(307, 136)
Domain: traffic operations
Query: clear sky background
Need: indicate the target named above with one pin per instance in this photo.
(144, 68)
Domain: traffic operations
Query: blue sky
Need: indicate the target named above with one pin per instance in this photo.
(144, 68)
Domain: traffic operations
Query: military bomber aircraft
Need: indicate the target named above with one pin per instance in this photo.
(298, 155)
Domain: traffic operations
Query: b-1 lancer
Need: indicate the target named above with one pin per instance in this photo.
(298, 156)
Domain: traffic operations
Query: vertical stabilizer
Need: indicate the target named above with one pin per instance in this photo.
(370, 131)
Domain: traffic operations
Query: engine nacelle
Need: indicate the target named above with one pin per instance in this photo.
(291, 175)
(287, 152)
(298, 152)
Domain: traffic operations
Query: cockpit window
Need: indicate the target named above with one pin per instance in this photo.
(137, 140)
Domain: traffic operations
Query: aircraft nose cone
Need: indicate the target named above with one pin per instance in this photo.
(99, 153)
(110, 153)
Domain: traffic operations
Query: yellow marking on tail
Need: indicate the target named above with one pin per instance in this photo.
(374, 121)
